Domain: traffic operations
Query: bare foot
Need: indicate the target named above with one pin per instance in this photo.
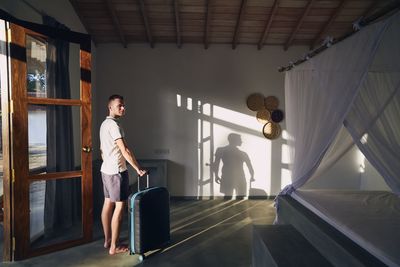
(118, 249)
(107, 243)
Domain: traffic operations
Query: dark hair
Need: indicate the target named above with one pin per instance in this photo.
(113, 97)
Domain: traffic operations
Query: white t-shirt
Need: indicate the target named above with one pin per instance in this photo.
(113, 160)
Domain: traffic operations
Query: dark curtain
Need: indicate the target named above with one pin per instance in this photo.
(62, 197)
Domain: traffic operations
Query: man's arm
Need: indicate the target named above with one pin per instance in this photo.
(215, 166)
(128, 155)
(250, 167)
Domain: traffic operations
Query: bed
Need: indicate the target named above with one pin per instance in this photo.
(369, 218)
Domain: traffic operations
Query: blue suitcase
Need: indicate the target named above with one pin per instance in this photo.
(149, 223)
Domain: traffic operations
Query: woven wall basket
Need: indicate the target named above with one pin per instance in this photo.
(271, 103)
(255, 102)
(263, 116)
(277, 115)
(272, 130)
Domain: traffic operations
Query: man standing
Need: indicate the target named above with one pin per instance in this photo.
(114, 173)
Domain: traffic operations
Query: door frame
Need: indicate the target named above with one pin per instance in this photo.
(16, 172)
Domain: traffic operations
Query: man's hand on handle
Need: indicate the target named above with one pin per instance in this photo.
(141, 172)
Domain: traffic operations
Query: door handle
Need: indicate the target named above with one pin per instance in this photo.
(86, 149)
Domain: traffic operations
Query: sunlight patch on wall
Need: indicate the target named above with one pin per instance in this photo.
(285, 154)
(189, 104)
(214, 125)
(361, 161)
(258, 149)
(207, 157)
(206, 109)
(237, 118)
(178, 100)
(199, 157)
(286, 177)
(285, 135)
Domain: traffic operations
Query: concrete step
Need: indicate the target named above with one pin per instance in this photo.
(283, 245)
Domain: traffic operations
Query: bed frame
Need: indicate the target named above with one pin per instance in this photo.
(331, 243)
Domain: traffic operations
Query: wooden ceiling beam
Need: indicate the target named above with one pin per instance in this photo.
(268, 25)
(116, 23)
(178, 26)
(75, 5)
(326, 27)
(273, 26)
(207, 25)
(368, 18)
(298, 25)
(239, 22)
(146, 23)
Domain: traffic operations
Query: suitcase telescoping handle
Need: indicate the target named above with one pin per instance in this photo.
(147, 178)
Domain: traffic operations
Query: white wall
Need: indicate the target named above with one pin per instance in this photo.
(351, 172)
(370, 179)
(344, 174)
(220, 79)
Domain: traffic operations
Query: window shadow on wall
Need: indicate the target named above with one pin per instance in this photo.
(234, 158)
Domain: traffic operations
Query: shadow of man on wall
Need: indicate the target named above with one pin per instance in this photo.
(232, 177)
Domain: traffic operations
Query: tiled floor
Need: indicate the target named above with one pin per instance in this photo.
(204, 233)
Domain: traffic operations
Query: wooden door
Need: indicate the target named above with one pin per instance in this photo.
(50, 205)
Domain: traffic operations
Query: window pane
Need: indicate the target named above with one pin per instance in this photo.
(53, 68)
(54, 138)
(55, 211)
(36, 67)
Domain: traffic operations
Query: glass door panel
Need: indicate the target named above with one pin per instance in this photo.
(54, 138)
(36, 66)
(55, 211)
(41, 62)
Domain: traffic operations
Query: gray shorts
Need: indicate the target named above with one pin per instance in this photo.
(116, 186)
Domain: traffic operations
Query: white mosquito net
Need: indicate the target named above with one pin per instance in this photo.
(354, 83)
